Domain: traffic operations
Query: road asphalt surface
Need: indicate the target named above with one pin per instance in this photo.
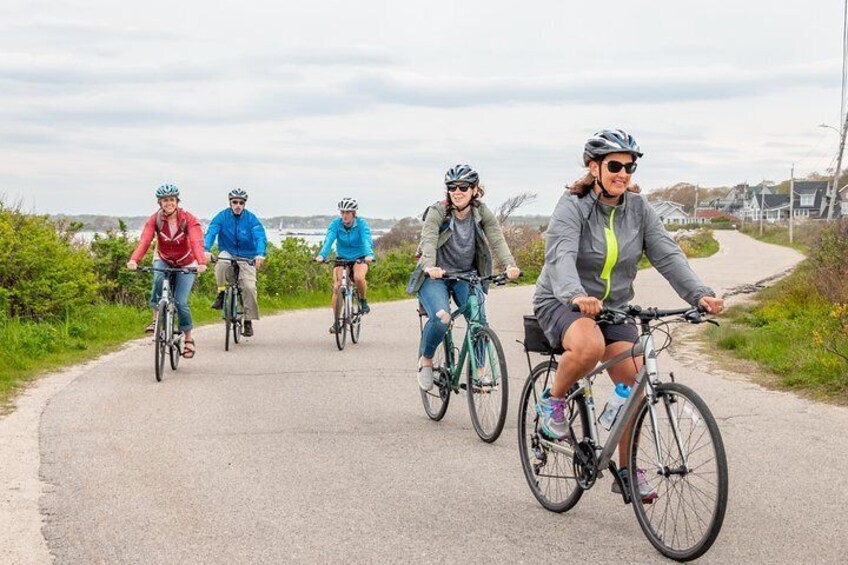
(286, 450)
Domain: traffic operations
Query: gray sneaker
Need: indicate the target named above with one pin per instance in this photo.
(425, 378)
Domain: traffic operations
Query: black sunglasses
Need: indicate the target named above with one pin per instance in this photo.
(459, 187)
(616, 166)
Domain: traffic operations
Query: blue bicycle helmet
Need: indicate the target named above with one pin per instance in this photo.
(167, 190)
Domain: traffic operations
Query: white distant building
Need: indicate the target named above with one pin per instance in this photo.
(670, 212)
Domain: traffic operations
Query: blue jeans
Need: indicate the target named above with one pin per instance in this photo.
(435, 296)
(180, 291)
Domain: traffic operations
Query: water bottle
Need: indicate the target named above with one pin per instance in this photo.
(613, 406)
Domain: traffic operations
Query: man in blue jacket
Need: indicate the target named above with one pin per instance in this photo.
(352, 237)
(240, 234)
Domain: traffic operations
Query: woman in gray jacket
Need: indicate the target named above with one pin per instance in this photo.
(458, 236)
(596, 236)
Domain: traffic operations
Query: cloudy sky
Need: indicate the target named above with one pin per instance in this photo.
(301, 102)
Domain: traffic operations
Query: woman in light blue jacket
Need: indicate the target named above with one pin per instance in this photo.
(352, 237)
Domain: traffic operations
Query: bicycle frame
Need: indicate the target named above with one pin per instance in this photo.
(646, 379)
(170, 309)
(474, 310)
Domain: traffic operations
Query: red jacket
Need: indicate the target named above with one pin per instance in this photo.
(177, 249)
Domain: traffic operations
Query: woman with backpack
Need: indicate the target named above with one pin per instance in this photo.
(179, 244)
(459, 235)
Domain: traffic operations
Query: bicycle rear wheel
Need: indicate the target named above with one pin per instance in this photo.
(160, 340)
(488, 386)
(690, 477)
(547, 465)
(355, 317)
(436, 399)
(340, 319)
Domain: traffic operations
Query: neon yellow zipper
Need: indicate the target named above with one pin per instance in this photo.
(612, 254)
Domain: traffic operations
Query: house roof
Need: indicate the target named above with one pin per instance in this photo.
(773, 201)
(809, 186)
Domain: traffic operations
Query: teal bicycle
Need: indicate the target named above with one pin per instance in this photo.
(482, 359)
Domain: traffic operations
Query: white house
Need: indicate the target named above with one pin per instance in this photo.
(670, 212)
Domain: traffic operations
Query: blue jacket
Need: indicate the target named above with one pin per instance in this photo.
(351, 243)
(243, 236)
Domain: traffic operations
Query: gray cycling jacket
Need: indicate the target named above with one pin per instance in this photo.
(592, 249)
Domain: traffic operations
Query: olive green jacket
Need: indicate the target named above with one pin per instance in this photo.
(438, 229)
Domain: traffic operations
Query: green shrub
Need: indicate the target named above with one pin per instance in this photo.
(44, 274)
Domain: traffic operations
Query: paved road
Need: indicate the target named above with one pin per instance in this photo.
(286, 450)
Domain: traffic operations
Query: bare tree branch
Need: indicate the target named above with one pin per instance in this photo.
(512, 204)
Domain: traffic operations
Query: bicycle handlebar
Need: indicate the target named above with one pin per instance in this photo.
(251, 262)
(184, 270)
(345, 262)
(473, 278)
(693, 315)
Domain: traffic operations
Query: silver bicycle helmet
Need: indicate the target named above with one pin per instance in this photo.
(237, 193)
(348, 204)
(609, 141)
(461, 173)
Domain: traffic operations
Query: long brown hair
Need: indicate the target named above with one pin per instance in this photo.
(475, 201)
(584, 184)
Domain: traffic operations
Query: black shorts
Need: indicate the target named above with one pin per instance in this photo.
(556, 319)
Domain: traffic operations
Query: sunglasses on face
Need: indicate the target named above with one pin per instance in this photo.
(237, 202)
(616, 166)
(459, 187)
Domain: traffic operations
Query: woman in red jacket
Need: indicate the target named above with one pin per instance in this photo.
(179, 243)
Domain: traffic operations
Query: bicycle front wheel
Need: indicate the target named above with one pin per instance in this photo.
(488, 385)
(436, 399)
(160, 340)
(677, 449)
(355, 318)
(238, 317)
(340, 321)
(549, 465)
(228, 318)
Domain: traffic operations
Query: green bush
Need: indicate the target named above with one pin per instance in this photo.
(110, 253)
(43, 273)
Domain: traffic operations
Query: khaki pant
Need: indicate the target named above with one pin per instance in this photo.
(247, 283)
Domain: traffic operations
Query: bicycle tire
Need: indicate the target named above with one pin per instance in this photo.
(549, 474)
(488, 395)
(702, 483)
(339, 315)
(436, 399)
(238, 315)
(175, 352)
(355, 317)
(160, 342)
(228, 318)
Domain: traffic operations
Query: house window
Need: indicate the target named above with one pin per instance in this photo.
(808, 200)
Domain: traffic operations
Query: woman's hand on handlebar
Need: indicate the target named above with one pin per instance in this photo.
(132, 265)
(319, 259)
(513, 272)
(435, 272)
(712, 305)
(589, 305)
(201, 269)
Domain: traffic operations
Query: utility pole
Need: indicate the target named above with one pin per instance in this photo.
(834, 191)
(792, 204)
(696, 204)
(762, 205)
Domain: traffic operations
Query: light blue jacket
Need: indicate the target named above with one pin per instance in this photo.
(351, 243)
(242, 236)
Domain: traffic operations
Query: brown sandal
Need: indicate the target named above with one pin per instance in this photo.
(186, 350)
(151, 328)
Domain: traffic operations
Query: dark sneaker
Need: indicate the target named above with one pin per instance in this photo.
(363, 306)
(248, 328)
(219, 301)
(646, 491)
